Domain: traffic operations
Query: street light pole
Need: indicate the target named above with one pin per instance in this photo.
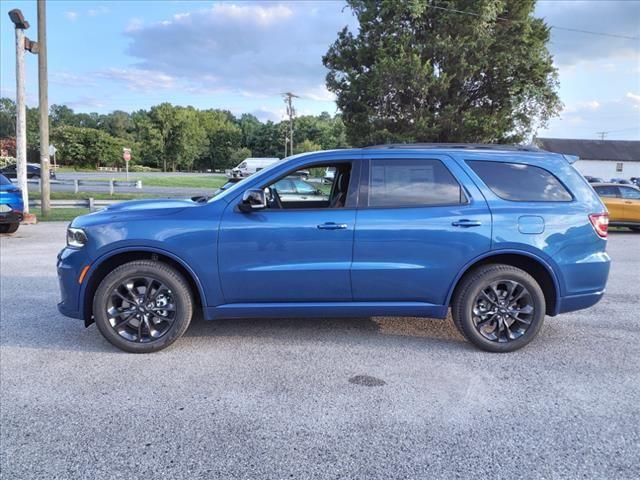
(21, 110)
(43, 101)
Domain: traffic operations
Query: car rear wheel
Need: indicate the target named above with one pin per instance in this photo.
(143, 306)
(8, 227)
(498, 308)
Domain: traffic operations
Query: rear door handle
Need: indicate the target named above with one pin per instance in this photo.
(466, 223)
(332, 226)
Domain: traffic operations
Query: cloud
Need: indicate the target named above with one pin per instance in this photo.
(138, 79)
(94, 12)
(86, 102)
(70, 79)
(71, 15)
(251, 49)
(619, 117)
(618, 18)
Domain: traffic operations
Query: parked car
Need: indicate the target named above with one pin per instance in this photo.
(623, 203)
(294, 189)
(591, 179)
(11, 206)
(249, 166)
(33, 171)
(621, 181)
(635, 181)
(406, 231)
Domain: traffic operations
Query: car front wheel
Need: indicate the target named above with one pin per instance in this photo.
(498, 308)
(143, 306)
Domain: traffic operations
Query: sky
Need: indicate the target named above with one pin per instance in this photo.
(240, 56)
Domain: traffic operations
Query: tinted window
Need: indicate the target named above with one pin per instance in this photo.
(607, 191)
(399, 183)
(630, 193)
(520, 183)
(4, 180)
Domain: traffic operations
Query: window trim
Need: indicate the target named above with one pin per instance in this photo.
(352, 190)
(363, 200)
(566, 189)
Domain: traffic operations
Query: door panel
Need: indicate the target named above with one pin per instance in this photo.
(286, 255)
(414, 253)
(631, 204)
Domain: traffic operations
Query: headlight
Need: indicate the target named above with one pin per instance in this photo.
(76, 237)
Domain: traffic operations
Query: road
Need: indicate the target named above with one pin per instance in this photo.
(275, 399)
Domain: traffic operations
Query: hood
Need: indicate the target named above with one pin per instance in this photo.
(151, 205)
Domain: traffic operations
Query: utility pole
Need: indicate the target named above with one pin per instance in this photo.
(43, 101)
(21, 112)
(602, 135)
(288, 100)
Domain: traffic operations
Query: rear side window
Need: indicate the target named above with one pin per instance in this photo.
(520, 183)
(4, 180)
(630, 193)
(607, 191)
(406, 183)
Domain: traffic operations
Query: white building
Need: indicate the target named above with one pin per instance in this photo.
(605, 159)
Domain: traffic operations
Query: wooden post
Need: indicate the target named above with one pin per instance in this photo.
(91, 208)
(76, 185)
(111, 187)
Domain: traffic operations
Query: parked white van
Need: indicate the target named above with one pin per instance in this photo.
(249, 166)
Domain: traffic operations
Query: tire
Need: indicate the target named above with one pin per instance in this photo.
(635, 229)
(479, 294)
(8, 227)
(168, 289)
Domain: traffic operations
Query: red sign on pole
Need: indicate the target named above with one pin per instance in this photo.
(126, 154)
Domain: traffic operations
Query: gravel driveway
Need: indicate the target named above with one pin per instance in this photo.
(276, 399)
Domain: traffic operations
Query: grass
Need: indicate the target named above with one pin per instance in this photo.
(186, 182)
(59, 214)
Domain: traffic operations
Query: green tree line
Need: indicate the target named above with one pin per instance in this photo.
(169, 137)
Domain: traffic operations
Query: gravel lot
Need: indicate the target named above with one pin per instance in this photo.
(272, 399)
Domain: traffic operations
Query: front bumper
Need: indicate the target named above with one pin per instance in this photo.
(11, 217)
(69, 265)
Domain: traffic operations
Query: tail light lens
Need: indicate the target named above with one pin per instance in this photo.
(600, 222)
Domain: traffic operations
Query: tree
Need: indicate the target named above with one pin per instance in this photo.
(7, 118)
(87, 147)
(223, 137)
(418, 73)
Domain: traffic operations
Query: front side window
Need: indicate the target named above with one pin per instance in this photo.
(607, 191)
(412, 182)
(310, 188)
(630, 193)
(519, 182)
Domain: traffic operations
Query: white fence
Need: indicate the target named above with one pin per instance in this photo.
(90, 203)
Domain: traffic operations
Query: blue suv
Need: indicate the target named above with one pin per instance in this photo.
(501, 235)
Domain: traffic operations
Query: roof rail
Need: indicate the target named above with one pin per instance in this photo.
(462, 146)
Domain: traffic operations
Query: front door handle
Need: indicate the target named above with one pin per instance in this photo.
(466, 223)
(332, 226)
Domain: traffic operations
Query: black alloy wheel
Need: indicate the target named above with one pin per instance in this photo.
(143, 306)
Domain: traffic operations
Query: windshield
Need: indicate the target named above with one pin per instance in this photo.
(223, 192)
(4, 180)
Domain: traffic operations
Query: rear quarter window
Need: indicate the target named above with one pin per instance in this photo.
(518, 182)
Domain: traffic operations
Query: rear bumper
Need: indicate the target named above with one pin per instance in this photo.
(572, 303)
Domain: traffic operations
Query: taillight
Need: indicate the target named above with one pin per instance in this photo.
(600, 222)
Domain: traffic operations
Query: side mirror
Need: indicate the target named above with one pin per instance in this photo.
(254, 199)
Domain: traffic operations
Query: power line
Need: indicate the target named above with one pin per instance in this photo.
(575, 30)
